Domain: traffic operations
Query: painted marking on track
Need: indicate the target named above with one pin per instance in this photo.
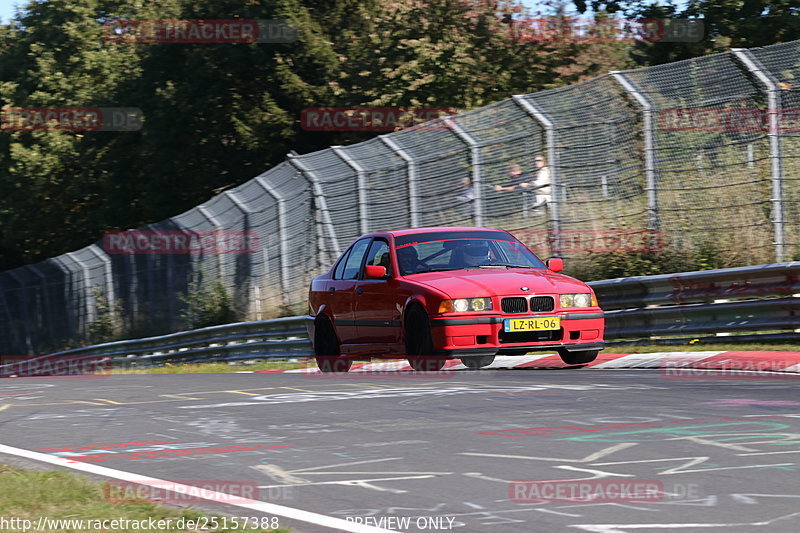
(292, 388)
(769, 453)
(71, 401)
(242, 392)
(619, 528)
(109, 401)
(589, 458)
(180, 396)
(213, 496)
(4, 407)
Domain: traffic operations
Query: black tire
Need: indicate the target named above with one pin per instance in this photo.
(578, 358)
(474, 363)
(419, 344)
(326, 348)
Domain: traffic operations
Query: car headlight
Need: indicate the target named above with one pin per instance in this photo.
(577, 300)
(465, 305)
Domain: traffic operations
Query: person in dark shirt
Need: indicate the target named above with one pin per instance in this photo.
(517, 180)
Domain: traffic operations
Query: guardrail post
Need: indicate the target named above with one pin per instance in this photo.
(363, 218)
(411, 165)
(477, 180)
(648, 130)
(321, 204)
(283, 238)
(760, 72)
(552, 158)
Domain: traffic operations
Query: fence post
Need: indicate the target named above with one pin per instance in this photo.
(24, 310)
(363, 217)
(754, 66)
(91, 311)
(413, 206)
(45, 301)
(218, 227)
(477, 163)
(648, 130)
(283, 239)
(235, 200)
(552, 158)
(110, 293)
(319, 198)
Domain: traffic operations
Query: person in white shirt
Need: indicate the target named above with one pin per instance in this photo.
(541, 184)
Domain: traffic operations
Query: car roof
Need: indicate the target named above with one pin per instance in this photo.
(412, 231)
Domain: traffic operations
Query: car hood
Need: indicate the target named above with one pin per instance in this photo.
(495, 282)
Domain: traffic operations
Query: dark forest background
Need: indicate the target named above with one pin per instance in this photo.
(216, 115)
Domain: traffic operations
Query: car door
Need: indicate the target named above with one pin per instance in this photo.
(376, 315)
(340, 291)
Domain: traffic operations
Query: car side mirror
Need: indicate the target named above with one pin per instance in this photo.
(374, 272)
(555, 264)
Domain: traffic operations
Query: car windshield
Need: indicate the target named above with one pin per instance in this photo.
(438, 252)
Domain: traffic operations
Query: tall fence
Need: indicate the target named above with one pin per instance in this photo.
(701, 153)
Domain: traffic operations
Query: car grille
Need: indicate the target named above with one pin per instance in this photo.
(518, 304)
(542, 303)
(514, 305)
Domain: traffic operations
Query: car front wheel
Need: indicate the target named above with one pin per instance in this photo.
(326, 349)
(578, 358)
(419, 345)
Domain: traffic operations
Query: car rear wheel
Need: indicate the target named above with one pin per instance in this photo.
(326, 349)
(474, 363)
(419, 345)
(578, 358)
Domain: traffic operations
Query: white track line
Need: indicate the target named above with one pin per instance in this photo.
(212, 496)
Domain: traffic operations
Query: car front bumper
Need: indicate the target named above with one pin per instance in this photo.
(484, 335)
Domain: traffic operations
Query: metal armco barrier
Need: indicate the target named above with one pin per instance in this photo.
(281, 337)
(763, 298)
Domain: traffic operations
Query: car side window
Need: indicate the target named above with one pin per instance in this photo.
(379, 255)
(352, 267)
(339, 272)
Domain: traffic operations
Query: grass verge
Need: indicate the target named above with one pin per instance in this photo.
(59, 495)
(198, 368)
(208, 368)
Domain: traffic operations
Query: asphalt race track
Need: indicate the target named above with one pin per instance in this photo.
(408, 452)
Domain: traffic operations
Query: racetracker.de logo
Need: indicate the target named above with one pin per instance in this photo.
(26, 366)
(586, 491)
(181, 492)
(706, 119)
(586, 30)
(181, 242)
(374, 118)
(70, 119)
(580, 241)
(199, 31)
(729, 368)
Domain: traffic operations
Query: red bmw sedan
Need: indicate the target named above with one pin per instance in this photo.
(432, 294)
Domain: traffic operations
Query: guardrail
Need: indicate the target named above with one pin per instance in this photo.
(280, 338)
(762, 298)
(723, 302)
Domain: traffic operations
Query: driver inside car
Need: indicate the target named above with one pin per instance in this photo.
(472, 253)
(408, 260)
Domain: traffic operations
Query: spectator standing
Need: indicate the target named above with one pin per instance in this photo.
(541, 184)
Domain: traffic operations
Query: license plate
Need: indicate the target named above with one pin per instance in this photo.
(513, 325)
